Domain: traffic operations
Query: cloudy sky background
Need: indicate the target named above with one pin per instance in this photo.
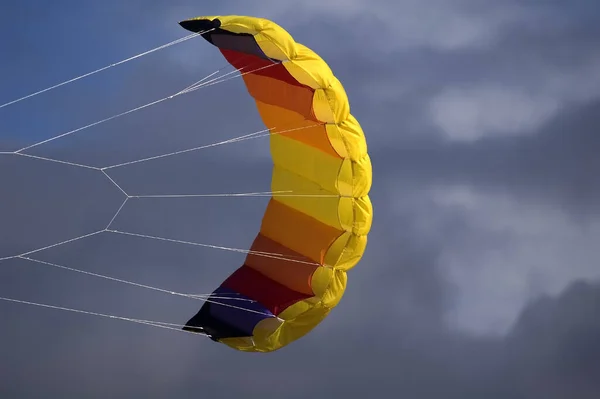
(481, 275)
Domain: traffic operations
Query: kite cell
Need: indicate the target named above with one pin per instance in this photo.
(316, 229)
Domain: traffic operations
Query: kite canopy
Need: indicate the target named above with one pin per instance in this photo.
(316, 230)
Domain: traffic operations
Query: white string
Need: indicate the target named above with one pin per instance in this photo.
(159, 324)
(103, 68)
(254, 135)
(204, 81)
(257, 134)
(107, 229)
(209, 83)
(110, 278)
(201, 83)
(251, 194)
(201, 80)
(54, 245)
(201, 297)
(197, 244)
(223, 248)
(110, 118)
(95, 123)
(115, 183)
(54, 160)
(250, 136)
(116, 214)
(185, 91)
(286, 193)
(220, 79)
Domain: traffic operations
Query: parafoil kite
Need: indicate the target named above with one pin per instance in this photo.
(295, 271)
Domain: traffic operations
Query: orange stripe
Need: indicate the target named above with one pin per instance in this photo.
(307, 131)
(298, 231)
(294, 275)
(277, 92)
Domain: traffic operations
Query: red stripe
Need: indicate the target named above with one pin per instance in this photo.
(258, 287)
(252, 63)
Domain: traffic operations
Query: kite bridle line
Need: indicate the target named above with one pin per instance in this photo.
(208, 80)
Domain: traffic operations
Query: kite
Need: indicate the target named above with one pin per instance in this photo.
(316, 222)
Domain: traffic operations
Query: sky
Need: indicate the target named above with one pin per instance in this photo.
(480, 278)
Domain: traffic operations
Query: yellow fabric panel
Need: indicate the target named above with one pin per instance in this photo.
(308, 68)
(347, 138)
(306, 197)
(270, 48)
(363, 215)
(362, 171)
(320, 282)
(339, 176)
(346, 251)
(337, 286)
(303, 316)
(269, 336)
(343, 213)
(303, 160)
(244, 344)
(300, 318)
(330, 104)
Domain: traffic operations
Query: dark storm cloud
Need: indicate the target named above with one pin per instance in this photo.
(557, 164)
(389, 335)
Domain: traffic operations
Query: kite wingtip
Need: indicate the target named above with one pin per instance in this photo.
(200, 24)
